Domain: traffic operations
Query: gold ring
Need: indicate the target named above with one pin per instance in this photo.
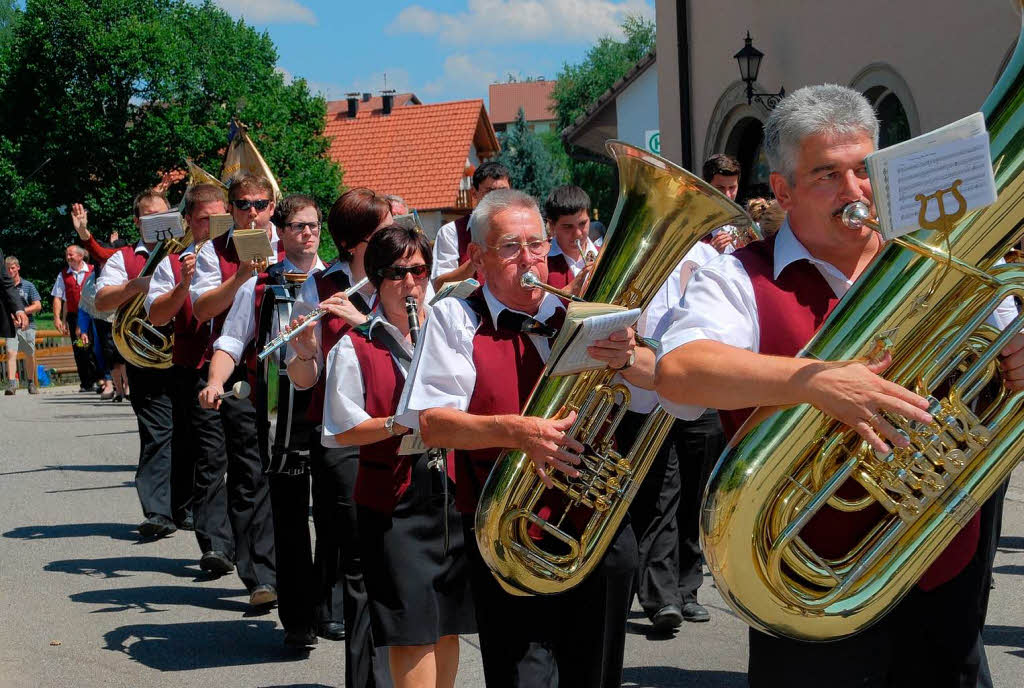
(871, 420)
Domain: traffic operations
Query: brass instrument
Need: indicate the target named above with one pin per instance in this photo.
(141, 343)
(924, 299)
(588, 256)
(662, 211)
(745, 234)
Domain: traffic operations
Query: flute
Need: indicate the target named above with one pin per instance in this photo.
(312, 317)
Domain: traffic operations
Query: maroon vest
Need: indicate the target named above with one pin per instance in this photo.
(790, 311)
(133, 262)
(384, 476)
(464, 237)
(559, 274)
(72, 289)
(191, 338)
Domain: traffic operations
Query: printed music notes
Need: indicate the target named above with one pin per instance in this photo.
(160, 226)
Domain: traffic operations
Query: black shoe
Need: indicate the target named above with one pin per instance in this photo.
(300, 640)
(262, 596)
(695, 612)
(187, 523)
(82, 389)
(331, 630)
(157, 526)
(216, 562)
(668, 618)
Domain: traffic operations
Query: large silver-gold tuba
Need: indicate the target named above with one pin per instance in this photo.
(662, 211)
(925, 299)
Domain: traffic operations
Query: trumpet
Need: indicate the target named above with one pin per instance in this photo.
(588, 256)
(313, 316)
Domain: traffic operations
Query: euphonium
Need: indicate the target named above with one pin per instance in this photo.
(661, 213)
(925, 300)
(140, 342)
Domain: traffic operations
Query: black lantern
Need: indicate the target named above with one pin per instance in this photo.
(749, 60)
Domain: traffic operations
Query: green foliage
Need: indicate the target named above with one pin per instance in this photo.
(581, 84)
(112, 93)
(528, 160)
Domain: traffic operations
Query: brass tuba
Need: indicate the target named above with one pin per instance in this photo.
(925, 299)
(141, 343)
(662, 211)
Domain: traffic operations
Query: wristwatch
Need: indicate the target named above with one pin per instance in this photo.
(630, 362)
(389, 425)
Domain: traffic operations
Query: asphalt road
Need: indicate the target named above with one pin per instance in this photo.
(84, 603)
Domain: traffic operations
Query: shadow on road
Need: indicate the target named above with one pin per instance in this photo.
(116, 531)
(1009, 569)
(201, 645)
(665, 677)
(1009, 543)
(126, 483)
(1005, 636)
(125, 567)
(91, 468)
(150, 598)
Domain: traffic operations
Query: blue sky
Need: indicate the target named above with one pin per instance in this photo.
(441, 49)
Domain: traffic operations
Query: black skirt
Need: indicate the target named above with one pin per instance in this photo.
(417, 593)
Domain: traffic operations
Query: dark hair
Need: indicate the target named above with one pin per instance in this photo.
(489, 170)
(148, 194)
(292, 204)
(202, 193)
(353, 217)
(565, 200)
(392, 243)
(251, 183)
(722, 164)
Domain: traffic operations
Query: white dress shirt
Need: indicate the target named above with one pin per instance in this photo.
(719, 305)
(344, 401)
(207, 275)
(240, 324)
(114, 272)
(58, 286)
(442, 374)
(574, 265)
(162, 280)
(446, 251)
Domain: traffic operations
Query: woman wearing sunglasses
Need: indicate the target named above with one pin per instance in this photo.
(419, 595)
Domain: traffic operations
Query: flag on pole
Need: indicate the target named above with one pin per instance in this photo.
(243, 159)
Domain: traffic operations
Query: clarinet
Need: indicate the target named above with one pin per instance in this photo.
(412, 310)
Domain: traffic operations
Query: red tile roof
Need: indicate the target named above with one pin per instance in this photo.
(533, 96)
(418, 151)
(375, 103)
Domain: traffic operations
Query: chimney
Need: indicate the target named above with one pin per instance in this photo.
(388, 100)
(353, 104)
(366, 97)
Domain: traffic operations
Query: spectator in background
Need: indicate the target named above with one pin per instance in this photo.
(723, 172)
(398, 204)
(100, 251)
(24, 339)
(66, 293)
(771, 218)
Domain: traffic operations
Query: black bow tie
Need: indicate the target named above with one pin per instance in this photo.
(511, 321)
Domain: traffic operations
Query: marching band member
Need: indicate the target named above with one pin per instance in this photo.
(165, 493)
(722, 172)
(216, 282)
(418, 594)
(730, 345)
(342, 611)
(198, 434)
(473, 353)
(572, 255)
(451, 246)
(66, 293)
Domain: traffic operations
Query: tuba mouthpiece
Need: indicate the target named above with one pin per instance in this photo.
(529, 281)
(855, 215)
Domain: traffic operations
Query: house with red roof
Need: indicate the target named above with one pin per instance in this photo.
(533, 96)
(425, 153)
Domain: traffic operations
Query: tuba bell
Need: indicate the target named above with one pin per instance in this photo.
(924, 299)
(662, 211)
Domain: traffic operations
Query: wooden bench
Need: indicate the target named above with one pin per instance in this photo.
(53, 351)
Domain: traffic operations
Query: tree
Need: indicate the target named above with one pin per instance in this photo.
(581, 84)
(528, 160)
(100, 97)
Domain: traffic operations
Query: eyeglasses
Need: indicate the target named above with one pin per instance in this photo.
(303, 226)
(244, 204)
(398, 272)
(507, 250)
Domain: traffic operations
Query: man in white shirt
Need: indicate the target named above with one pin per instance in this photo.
(723, 172)
(451, 245)
(66, 293)
(731, 345)
(567, 210)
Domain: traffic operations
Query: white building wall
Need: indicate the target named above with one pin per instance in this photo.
(636, 108)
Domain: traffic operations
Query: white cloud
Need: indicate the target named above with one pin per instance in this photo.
(515, 21)
(269, 11)
(464, 76)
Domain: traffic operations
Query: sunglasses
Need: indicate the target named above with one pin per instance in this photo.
(398, 272)
(244, 204)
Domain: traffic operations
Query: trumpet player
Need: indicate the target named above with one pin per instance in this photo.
(475, 366)
(730, 345)
(419, 600)
(567, 209)
(723, 172)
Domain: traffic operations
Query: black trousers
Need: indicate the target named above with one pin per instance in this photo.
(698, 444)
(653, 517)
(248, 493)
(341, 592)
(151, 401)
(581, 633)
(297, 583)
(85, 360)
(197, 435)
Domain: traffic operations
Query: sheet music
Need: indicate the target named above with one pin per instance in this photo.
(160, 226)
(220, 225)
(412, 444)
(574, 358)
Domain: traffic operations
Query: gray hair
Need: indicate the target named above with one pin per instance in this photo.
(495, 202)
(826, 109)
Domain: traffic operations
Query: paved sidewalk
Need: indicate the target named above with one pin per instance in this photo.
(84, 603)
